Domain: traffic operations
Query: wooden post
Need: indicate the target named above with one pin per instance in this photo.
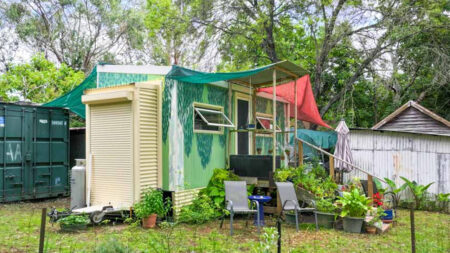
(331, 160)
(370, 186)
(42, 232)
(300, 153)
(253, 116)
(274, 120)
(228, 148)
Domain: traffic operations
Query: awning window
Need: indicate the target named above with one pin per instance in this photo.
(210, 117)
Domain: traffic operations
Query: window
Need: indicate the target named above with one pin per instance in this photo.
(207, 119)
(265, 123)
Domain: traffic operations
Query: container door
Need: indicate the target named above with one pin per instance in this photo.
(15, 134)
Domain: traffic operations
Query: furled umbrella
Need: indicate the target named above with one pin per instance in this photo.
(343, 150)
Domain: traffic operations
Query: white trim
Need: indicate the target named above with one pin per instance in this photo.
(132, 69)
(199, 111)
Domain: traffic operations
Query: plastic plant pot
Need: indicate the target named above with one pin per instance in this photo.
(325, 220)
(353, 225)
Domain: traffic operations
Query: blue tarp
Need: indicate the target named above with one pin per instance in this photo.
(322, 139)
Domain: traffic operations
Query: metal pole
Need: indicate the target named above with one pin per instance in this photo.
(42, 232)
(279, 235)
(274, 120)
(413, 229)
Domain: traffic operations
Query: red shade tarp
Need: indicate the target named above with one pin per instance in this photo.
(306, 104)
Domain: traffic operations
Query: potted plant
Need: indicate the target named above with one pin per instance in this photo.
(354, 209)
(151, 206)
(73, 222)
(270, 151)
(375, 222)
(325, 212)
(258, 150)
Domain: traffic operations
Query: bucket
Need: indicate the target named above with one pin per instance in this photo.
(389, 215)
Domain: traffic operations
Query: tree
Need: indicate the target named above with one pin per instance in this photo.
(77, 33)
(39, 81)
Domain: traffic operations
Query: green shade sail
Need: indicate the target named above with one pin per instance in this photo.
(259, 77)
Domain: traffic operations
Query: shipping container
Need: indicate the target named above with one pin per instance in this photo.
(34, 152)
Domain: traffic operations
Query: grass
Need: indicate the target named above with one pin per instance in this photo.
(19, 232)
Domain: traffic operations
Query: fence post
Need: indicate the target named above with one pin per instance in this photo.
(331, 161)
(300, 153)
(42, 234)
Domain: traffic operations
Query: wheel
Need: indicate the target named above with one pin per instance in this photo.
(97, 217)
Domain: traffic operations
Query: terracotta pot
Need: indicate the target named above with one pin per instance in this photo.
(371, 230)
(149, 222)
(387, 221)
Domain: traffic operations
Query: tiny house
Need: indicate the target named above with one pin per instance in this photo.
(172, 132)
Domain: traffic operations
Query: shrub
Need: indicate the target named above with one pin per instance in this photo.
(215, 189)
(325, 206)
(200, 211)
(112, 246)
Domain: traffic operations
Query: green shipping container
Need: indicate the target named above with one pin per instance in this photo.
(34, 152)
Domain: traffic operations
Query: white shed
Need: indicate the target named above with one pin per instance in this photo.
(412, 142)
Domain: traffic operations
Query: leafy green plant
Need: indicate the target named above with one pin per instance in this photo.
(394, 191)
(74, 220)
(417, 190)
(442, 200)
(377, 215)
(268, 240)
(325, 206)
(354, 204)
(200, 211)
(216, 188)
(152, 203)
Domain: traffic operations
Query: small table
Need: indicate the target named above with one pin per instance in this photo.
(261, 199)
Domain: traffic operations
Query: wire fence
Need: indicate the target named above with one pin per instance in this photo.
(20, 227)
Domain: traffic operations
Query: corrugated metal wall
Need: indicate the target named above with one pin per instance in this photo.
(148, 138)
(111, 147)
(419, 157)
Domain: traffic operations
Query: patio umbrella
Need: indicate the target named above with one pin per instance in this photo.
(342, 149)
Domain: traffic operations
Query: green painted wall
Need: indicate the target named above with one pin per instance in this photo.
(114, 79)
(190, 158)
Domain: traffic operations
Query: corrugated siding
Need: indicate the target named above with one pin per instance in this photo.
(111, 147)
(183, 198)
(148, 138)
(412, 120)
(423, 158)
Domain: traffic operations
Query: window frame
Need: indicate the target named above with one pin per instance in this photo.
(208, 107)
(266, 117)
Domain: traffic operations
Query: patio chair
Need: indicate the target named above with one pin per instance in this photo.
(236, 201)
(289, 201)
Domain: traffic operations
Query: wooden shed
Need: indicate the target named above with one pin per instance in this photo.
(412, 142)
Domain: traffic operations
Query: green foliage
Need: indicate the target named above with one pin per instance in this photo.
(215, 189)
(38, 81)
(210, 201)
(78, 33)
(152, 203)
(315, 181)
(354, 204)
(417, 190)
(377, 215)
(74, 220)
(113, 245)
(200, 211)
(325, 205)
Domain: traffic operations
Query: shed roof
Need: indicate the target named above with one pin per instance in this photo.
(412, 117)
